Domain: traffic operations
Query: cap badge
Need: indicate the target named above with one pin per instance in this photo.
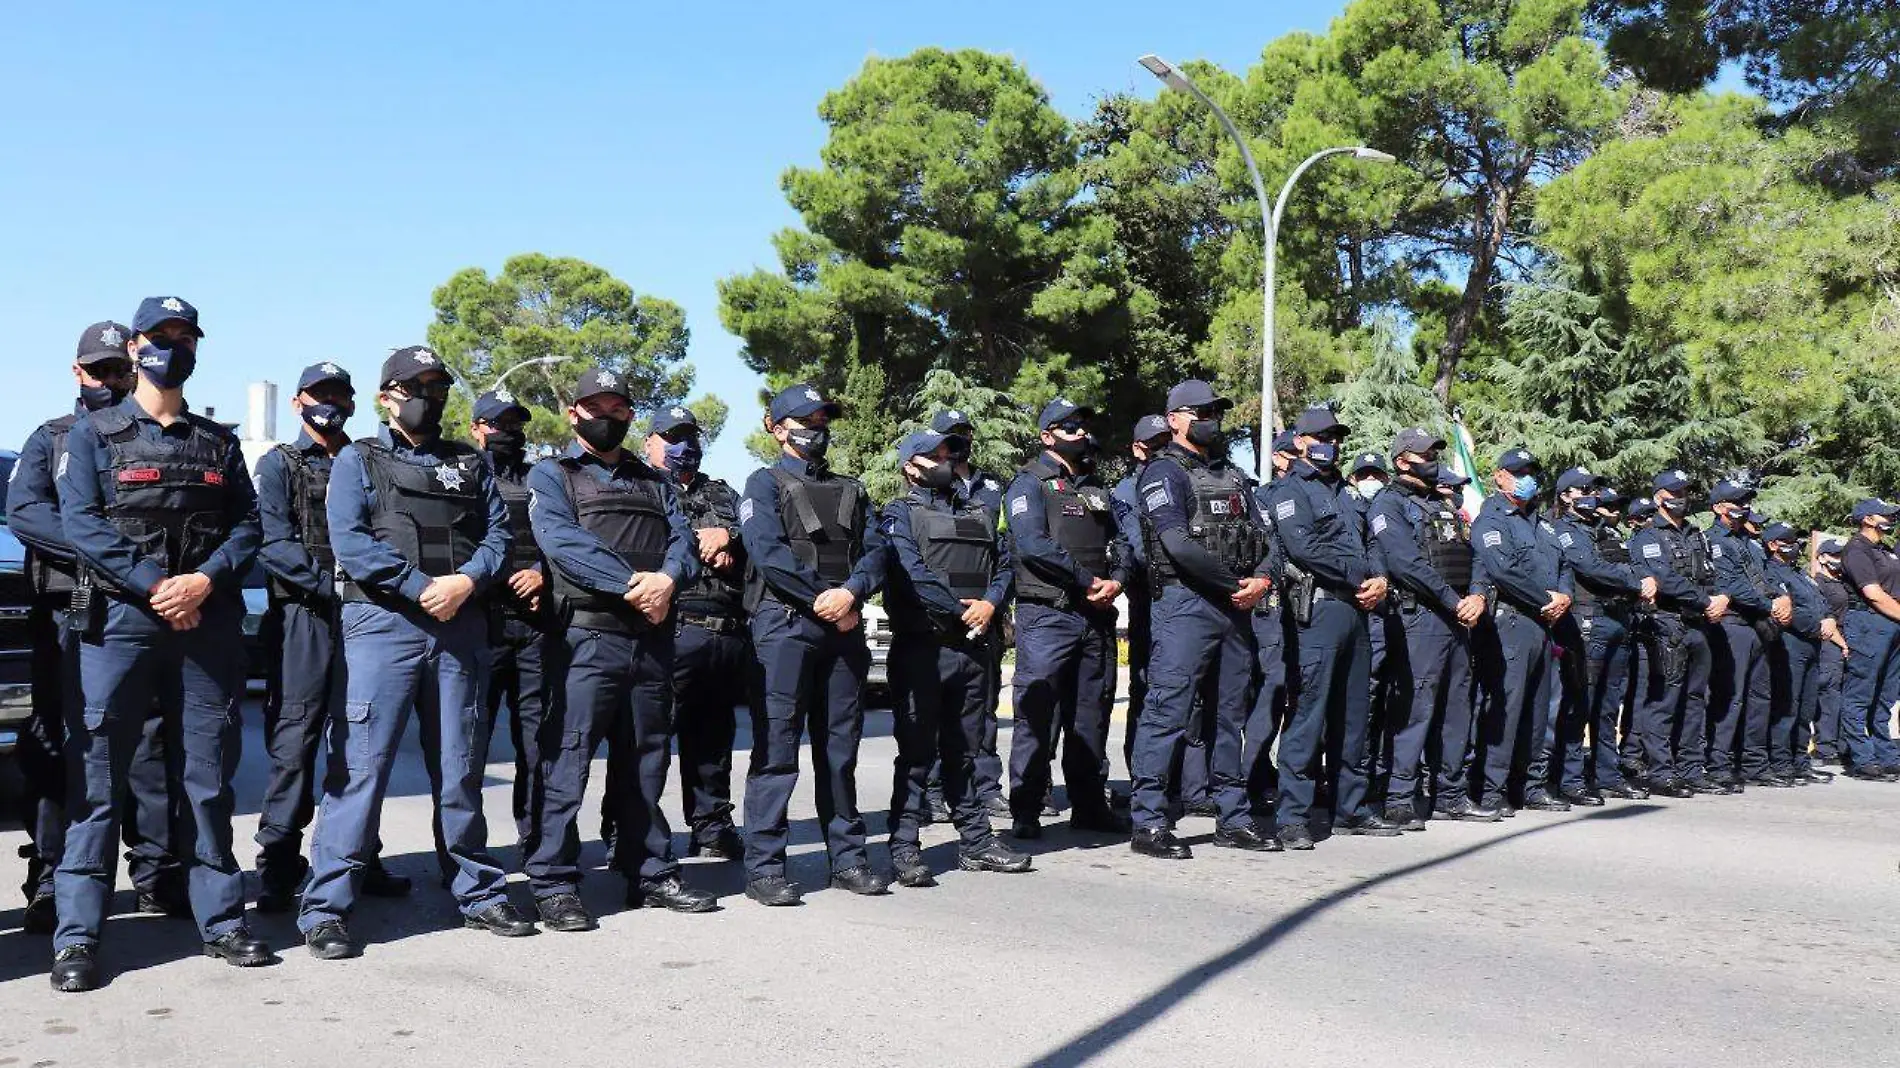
(606, 378)
(423, 356)
(331, 369)
(504, 396)
(111, 336)
(172, 304)
(676, 412)
(812, 395)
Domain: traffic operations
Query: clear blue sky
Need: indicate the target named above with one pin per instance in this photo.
(307, 174)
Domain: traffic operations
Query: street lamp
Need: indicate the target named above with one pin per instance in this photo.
(496, 384)
(1270, 225)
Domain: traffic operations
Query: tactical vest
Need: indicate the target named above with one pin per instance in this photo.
(51, 574)
(629, 518)
(1220, 522)
(1081, 519)
(514, 493)
(1687, 554)
(714, 594)
(1446, 546)
(434, 517)
(309, 512)
(824, 526)
(958, 547)
(170, 497)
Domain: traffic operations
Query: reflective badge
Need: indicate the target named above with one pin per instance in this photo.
(745, 510)
(1716, 550)
(1096, 501)
(991, 484)
(1157, 498)
(1378, 524)
(449, 477)
(1284, 510)
(1565, 540)
(1017, 505)
(1493, 539)
(1653, 551)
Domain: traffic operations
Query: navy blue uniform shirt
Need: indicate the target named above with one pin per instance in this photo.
(578, 552)
(1028, 524)
(1651, 549)
(33, 497)
(1393, 520)
(1732, 554)
(283, 553)
(1601, 577)
(1515, 552)
(1319, 531)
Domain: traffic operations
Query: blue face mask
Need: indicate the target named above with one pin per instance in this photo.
(1322, 454)
(1523, 487)
(682, 457)
(328, 418)
(167, 368)
(97, 397)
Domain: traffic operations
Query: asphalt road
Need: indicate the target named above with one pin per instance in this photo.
(1758, 930)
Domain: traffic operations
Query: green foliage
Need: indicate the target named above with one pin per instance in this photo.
(576, 315)
(1386, 396)
(1004, 430)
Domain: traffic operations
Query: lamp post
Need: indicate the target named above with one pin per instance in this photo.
(500, 378)
(1270, 213)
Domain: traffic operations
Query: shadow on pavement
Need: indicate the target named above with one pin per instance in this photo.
(1106, 1035)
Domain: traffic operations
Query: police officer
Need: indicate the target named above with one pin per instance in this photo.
(300, 634)
(1272, 696)
(1428, 559)
(1150, 435)
(1672, 699)
(1520, 568)
(104, 375)
(986, 491)
(713, 667)
(1794, 662)
(949, 577)
(1596, 676)
(815, 556)
(1870, 681)
(1367, 475)
(162, 519)
(1739, 703)
(1070, 562)
(522, 629)
(611, 527)
(1207, 557)
(1827, 700)
(420, 533)
(1332, 581)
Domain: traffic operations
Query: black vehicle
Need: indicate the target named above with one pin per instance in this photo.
(16, 643)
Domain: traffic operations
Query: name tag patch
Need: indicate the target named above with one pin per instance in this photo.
(1156, 498)
(1652, 551)
(745, 510)
(1715, 551)
(1565, 539)
(1378, 524)
(1493, 539)
(1284, 510)
(1018, 505)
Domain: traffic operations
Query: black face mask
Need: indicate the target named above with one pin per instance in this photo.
(1831, 567)
(326, 418)
(97, 397)
(1425, 471)
(810, 444)
(1323, 455)
(601, 433)
(420, 416)
(1205, 433)
(1070, 449)
(506, 444)
(936, 478)
(1677, 507)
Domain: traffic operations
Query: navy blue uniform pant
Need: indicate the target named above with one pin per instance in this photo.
(1428, 715)
(1738, 701)
(940, 694)
(1673, 700)
(195, 676)
(618, 690)
(1203, 649)
(1870, 684)
(1514, 669)
(1268, 711)
(1794, 672)
(1829, 673)
(398, 663)
(1596, 680)
(1332, 691)
(713, 675)
(1140, 648)
(812, 674)
(520, 679)
(305, 662)
(1559, 733)
(1064, 683)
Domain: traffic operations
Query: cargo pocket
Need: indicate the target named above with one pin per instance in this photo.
(359, 749)
(205, 731)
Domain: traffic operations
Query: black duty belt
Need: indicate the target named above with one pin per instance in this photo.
(714, 624)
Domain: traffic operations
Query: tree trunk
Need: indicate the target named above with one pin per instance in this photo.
(1493, 223)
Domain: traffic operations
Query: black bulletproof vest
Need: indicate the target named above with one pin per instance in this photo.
(824, 526)
(629, 518)
(714, 593)
(1687, 550)
(170, 496)
(958, 547)
(435, 517)
(1220, 521)
(514, 493)
(309, 499)
(51, 575)
(1081, 519)
(1445, 544)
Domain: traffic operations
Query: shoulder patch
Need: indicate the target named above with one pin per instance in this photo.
(1652, 550)
(1566, 540)
(1285, 510)
(1715, 549)
(59, 473)
(1493, 539)
(1548, 529)
(745, 510)
(990, 484)
(1156, 496)
(1018, 505)
(1378, 524)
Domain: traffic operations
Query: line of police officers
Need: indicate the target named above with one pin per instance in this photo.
(1331, 640)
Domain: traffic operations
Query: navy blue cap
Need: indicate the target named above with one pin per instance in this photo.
(1727, 492)
(1150, 427)
(1778, 532)
(1673, 480)
(1642, 508)
(104, 340)
(1286, 441)
(411, 361)
(1319, 419)
(671, 418)
(496, 403)
(1448, 477)
(1874, 506)
(1060, 409)
(1609, 496)
(155, 310)
(1518, 461)
(801, 400)
(1416, 439)
(1367, 461)
(950, 419)
(318, 373)
(1195, 393)
(1579, 477)
(1755, 518)
(919, 443)
(1830, 547)
(601, 380)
